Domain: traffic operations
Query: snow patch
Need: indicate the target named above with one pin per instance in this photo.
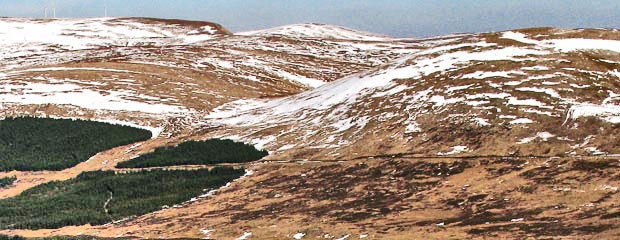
(525, 102)
(441, 100)
(526, 140)
(519, 37)
(455, 150)
(568, 44)
(535, 68)
(607, 112)
(457, 88)
(245, 236)
(521, 121)
(482, 121)
(207, 233)
(573, 44)
(542, 135)
(413, 127)
(483, 75)
(299, 236)
(72, 94)
(287, 147)
(344, 237)
(594, 151)
(260, 143)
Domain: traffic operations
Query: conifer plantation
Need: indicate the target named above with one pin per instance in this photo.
(35, 144)
(7, 181)
(104, 196)
(212, 151)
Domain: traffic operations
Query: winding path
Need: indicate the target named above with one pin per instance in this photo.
(107, 202)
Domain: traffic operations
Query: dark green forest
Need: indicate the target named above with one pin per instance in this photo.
(7, 181)
(83, 200)
(4, 237)
(212, 151)
(34, 144)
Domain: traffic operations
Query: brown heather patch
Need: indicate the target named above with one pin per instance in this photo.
(536, 31)
(398, 198)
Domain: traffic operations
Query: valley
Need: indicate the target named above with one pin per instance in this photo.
(508, 134)
(100, 197)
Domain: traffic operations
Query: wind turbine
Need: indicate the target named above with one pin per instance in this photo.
(105, 8)
(54, 8)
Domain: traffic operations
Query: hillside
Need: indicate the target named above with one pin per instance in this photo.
(316, 30)
(161, 76)
(507, 134)
(511, 93)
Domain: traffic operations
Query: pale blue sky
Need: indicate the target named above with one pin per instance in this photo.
(401, 18)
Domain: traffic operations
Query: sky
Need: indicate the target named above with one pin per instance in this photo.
(399, 18)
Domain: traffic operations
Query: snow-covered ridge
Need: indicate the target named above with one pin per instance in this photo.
(348, 90)
(478, 79)
(163, 68)
(22, 36)
(315, 30)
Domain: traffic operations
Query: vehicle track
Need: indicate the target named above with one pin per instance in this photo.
(107, 202)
